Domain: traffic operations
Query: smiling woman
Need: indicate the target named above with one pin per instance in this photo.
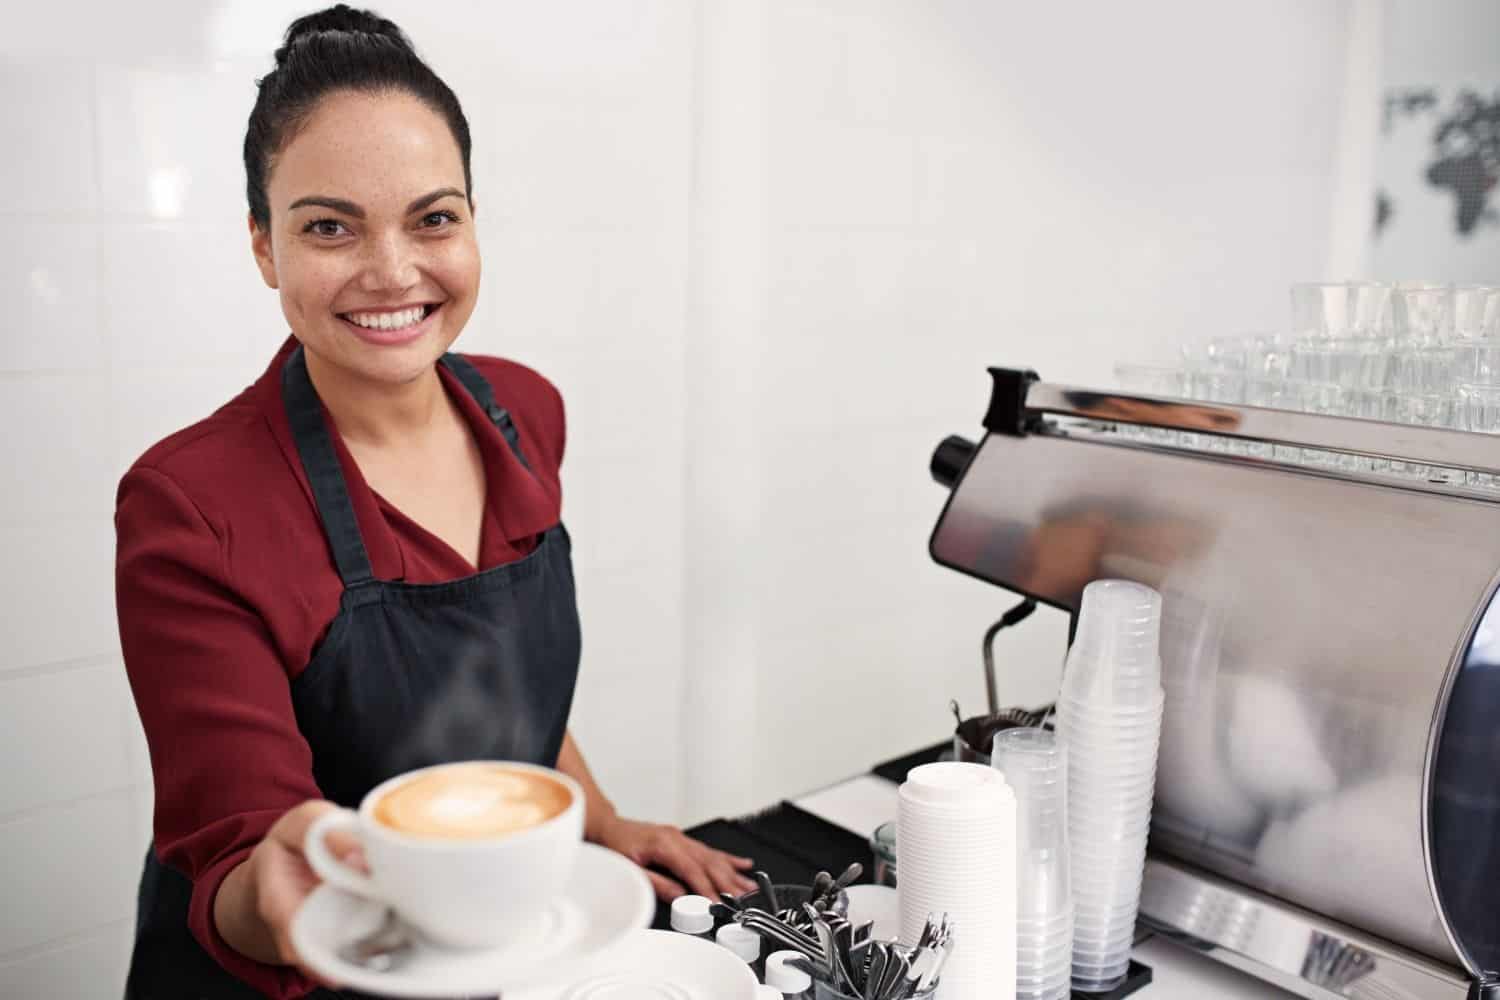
(357, 567)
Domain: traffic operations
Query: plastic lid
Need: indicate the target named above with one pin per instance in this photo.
(783, 977)
(690, 915)
(741, 940)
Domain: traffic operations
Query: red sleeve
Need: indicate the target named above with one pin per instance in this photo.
(560, 427)
(227, 758)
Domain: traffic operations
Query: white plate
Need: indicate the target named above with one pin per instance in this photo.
(607, 898)
(654, 965)
(876, 903)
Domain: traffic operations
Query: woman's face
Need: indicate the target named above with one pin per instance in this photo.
(371, 241)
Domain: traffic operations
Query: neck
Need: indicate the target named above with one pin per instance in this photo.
(378, 414)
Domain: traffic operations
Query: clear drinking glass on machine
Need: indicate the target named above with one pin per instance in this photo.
(1332, 310)
(1422, 312)
(1476, 312)
(1035, 766)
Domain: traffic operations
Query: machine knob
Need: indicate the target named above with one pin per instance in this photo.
(950, 459)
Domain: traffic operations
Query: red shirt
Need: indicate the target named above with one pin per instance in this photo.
(225, 584)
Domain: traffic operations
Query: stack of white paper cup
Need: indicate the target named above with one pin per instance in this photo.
(1035, 766)
(956, 824)
(1109, 718)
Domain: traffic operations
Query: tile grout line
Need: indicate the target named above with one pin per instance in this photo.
(60, 943)
(32, 812)
(59, 666)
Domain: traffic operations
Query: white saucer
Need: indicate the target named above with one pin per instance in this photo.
(654, 965)
(607, 898)
(875, 903)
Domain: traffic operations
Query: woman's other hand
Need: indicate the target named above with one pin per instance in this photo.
(701, 869)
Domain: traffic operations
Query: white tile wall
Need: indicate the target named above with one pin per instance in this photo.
(186, 293)
(82, 967)
(764, 249)
(80, 872)
(51, 277)
(76, 724)
(44, 479)
(167, 139)
(952, 185)
(51, 105)
(57, 594)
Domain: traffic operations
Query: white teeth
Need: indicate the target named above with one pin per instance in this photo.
(388, 320)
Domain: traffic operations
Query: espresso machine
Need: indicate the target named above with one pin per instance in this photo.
(1327, 811)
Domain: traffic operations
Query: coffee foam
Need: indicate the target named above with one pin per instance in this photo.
(475, 800)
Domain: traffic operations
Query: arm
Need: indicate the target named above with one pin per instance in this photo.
(706, 871)
(599, 812)
(227, 760)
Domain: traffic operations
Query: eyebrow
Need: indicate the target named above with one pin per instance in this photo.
(350, 208)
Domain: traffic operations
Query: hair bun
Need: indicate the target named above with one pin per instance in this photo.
(340, 19)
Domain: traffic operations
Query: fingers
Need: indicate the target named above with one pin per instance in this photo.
(725, 878)
(723, 869)
(743, 864)
(676, 856)
(666, 889)
(291, 828)
(346, 847)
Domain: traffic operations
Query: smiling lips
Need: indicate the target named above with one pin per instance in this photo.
(391, 326)
(389, 319)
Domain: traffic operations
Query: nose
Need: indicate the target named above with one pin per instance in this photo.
(390, 264)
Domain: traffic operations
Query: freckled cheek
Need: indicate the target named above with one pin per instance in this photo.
(315, 285)
(456, 268)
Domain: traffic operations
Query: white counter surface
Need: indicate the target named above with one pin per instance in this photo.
(863, 803)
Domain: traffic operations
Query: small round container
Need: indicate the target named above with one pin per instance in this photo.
(742, 941)
(690, 915)
(785, 980)
(883, 848)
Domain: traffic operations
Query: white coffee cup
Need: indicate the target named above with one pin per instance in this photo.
(474, 892)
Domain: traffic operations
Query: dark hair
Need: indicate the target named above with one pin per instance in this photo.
(339, 48)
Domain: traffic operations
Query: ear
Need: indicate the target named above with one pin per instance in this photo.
(260, 246)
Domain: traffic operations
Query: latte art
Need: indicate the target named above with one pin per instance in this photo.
(471, 800)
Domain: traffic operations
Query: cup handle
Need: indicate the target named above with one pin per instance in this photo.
(330, 869)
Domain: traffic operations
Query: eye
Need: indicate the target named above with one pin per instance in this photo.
(327, 228)
(439, 220)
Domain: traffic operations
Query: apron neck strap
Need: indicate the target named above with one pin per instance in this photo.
(479, 388)
(321, 463)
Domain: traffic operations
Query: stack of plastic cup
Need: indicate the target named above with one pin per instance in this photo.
(1035, 766)
(1109, 718)
(956, 824)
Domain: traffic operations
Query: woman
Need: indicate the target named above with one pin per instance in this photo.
(356, 567)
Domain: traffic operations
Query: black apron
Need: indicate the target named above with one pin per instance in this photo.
(407, 675)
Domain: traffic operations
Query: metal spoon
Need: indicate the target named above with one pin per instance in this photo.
(847, 879)
(768, 899)
(383, 949)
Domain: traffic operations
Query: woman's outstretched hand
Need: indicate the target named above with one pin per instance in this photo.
(257, 901)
